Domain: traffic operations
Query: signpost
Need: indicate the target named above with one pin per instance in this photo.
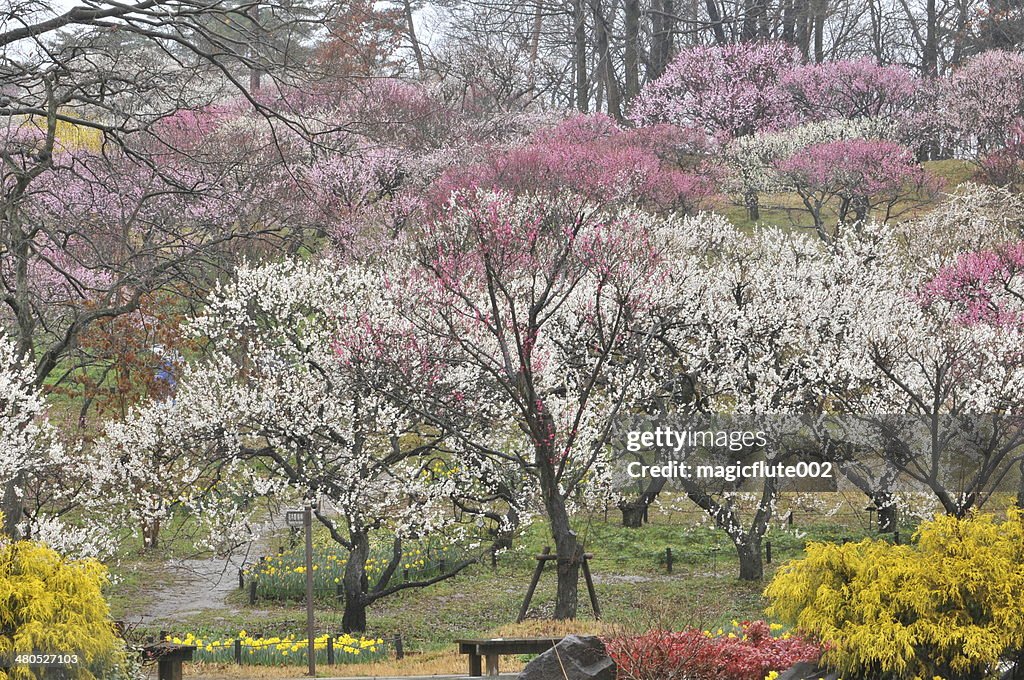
(304, 518)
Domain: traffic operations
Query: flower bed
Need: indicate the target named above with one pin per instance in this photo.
(282, 651)
(748, 651)
(283, 576)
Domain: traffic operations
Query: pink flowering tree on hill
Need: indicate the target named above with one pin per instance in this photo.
(593, 157)
(717, 94)
(851, 89)
(857, 178)
(984, 287)
(980, 110)
(721, 92)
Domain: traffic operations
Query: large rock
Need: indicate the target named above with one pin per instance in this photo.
(807, 671)
(574, 658)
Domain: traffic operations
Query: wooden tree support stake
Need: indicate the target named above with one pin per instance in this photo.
(543, 559)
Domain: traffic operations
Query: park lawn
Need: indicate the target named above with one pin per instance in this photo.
(634, 590)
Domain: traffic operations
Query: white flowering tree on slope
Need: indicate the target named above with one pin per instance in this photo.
(32, 450)
(275, 412)
(741, 330)
(943, 396)
(525, 329)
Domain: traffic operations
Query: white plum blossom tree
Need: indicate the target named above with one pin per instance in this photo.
(743, 335)
(525, 323)
(938, 397)
(282, 407)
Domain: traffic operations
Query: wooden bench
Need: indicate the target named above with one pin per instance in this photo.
(169, 658)
(492, 648)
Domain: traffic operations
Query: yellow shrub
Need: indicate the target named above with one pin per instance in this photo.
(951, 606)
(52, 605)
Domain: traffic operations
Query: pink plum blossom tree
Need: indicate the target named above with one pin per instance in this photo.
(590, 156)
(858, 176)
(721, 92)
(851, 89)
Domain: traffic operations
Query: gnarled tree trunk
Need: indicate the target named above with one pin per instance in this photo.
(355, 585)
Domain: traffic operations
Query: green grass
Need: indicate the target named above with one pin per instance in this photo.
(786, 210)
(634, 590)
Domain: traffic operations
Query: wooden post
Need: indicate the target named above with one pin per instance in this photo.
(533, 585)
(789, 520)
(252, 591)
(399, 652)
(668, 560)
(896, 537)
(330, 650)
(238, 652)
(768, 552)
(307, 522)
(241, 579)
(590, 586)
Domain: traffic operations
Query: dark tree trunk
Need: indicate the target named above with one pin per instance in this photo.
(410, 29)
(751, 202)
(355, 585)
(567, 597)
(788, 22)
(715, 18)
(751, 560)
(580, 56)
(538, 22)
(634, 513)
(606, 68)
(802, 18)
(661, 37)
(151, 533)
(887, 518)
(748, 32)
(631, 50)
(12, 507)
(1020, 487)
(820, 7)
(567, 547)
(930, 54)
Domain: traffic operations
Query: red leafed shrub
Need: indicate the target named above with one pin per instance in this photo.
(749, 653)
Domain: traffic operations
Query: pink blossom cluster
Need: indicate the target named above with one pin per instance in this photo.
(851, 89)
(723, 92)
(591, 156)
(984, 286)
(853, 167)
